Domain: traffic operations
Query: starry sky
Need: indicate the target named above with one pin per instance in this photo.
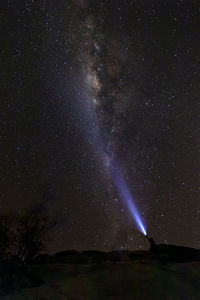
(86, 85)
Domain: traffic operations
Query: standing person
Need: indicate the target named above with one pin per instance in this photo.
(153, 247)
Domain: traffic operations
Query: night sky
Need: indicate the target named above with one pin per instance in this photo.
(91, 90)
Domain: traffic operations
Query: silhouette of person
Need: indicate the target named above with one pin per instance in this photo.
(153, 248)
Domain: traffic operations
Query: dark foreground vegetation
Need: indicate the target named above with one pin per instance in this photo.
(173, 274)
(163, 272)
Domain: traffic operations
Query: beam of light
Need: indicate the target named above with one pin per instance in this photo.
(109, 162)
(123, 190)
(100, 147)
(107, 158)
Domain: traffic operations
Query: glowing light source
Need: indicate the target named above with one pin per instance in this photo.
(123, 190)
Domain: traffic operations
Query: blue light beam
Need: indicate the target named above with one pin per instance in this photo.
(104, 154)
(125, 194)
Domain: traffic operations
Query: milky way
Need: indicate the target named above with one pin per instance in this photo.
(94, 87)
(131, 113)
(108, 102)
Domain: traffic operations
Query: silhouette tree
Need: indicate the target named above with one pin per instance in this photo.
(23, 237)
(7, 236)
(33, 229)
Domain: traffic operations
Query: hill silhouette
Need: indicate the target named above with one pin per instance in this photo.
(164, 252)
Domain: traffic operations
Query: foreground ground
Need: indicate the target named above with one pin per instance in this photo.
(115, 281)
